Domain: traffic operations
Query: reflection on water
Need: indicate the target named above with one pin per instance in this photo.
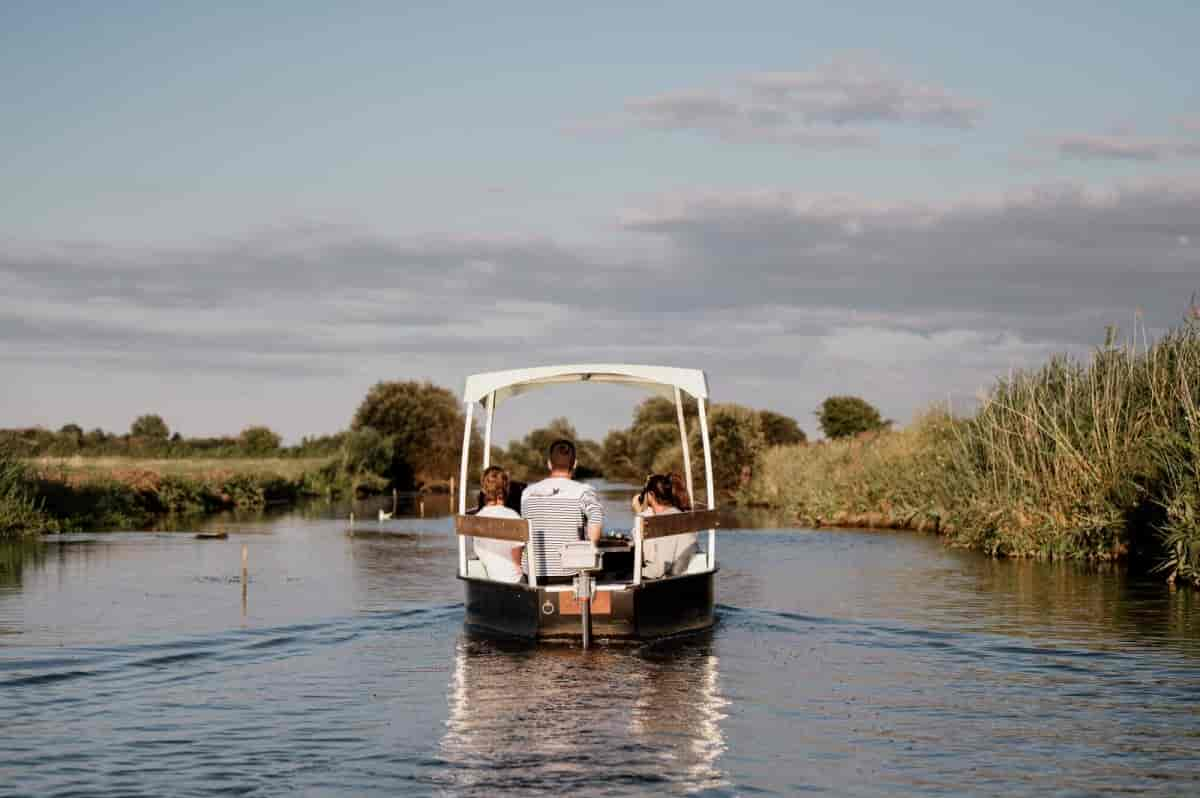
(847, 662)
(557, 718)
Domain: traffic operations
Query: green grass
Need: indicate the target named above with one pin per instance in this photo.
(1096, 460)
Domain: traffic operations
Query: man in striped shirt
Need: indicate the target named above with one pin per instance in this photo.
(561, 509)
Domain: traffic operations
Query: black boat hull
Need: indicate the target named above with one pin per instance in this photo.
(656, 608)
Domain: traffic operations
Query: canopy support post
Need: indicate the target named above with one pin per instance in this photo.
(487, 429)
(637, 550)
(462, 489)
(708, 481)
(683, 441)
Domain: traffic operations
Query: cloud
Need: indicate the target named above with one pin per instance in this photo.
(832, 106)
(1021, 253)
(784, 297)
(1122, 145)
(1114, 147)
(852, 91)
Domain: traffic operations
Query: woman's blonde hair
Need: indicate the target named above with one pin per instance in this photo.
(494, 485)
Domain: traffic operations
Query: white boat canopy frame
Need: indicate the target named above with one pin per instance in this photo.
(493, 387)
(661, 379)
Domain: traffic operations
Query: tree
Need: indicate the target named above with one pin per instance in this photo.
(616, 456)
(844, 416)
(72, 430)
(151, 427)
(424, 423)
(526, 458)
(258, 441)
(367, 457)
(737, 441)
(649, 441)
(781, 430)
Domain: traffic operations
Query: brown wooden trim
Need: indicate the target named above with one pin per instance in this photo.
(514, 529)
(569, 605)
(659, 526)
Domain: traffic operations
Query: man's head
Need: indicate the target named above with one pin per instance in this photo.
(561, 456)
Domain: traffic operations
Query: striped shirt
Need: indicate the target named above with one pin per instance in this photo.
(560, 509)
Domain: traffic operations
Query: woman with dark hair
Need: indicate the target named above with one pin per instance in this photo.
(665, 494)
(501, 560)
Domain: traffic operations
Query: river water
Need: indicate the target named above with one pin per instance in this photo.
(843, 662)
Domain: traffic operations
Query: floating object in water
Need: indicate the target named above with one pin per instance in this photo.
(212, 535)
(385, 516)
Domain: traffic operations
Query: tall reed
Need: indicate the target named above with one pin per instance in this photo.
(20, 513)
(1096, 459)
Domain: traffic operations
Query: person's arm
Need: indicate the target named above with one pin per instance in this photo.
(594, 512)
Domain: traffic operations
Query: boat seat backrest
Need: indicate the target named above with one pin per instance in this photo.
(661, 526)
(512, 529)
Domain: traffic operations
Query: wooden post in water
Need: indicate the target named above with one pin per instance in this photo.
(421, 507)
(460, 509)
(245, 580)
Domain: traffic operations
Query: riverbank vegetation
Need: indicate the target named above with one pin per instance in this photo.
(1095, 459)
(70, 494)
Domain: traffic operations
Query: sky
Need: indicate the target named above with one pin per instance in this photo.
(234, 216)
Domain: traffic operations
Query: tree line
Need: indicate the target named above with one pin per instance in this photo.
(408, 434)
(149, 436)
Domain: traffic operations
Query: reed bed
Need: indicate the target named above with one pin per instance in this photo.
(1096, 460)
(20, 511)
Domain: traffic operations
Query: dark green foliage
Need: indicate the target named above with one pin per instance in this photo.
(256, 441)
(617, 456)
(737, 440)
(317, 446)
(151, 427)
(650, 439)
(259, 441)
(526, 459)
(652, 443)
(20, 513)
(780, 430)
(424, 424)
(368, 457)
(845, 416)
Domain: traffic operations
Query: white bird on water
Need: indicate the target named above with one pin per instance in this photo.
(384, 516)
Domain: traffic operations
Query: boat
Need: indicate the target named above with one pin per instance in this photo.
(609, 598)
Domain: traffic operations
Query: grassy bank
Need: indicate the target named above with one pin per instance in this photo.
(62, 494)
(1091, 460)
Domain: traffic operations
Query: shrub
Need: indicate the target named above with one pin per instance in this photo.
(259, 441)
(150, 427)
(781, 430)
(845, 416)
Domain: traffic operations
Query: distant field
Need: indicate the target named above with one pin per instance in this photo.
(76, 468)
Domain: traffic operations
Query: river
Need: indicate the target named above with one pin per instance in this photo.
(843, 662)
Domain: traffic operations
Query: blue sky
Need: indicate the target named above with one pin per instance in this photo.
(209, 209)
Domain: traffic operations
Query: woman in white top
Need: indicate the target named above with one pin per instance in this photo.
(665, 494)
(501, 559)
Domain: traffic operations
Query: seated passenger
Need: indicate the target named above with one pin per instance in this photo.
(665, 494)
(559, 510)
(501, 559)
